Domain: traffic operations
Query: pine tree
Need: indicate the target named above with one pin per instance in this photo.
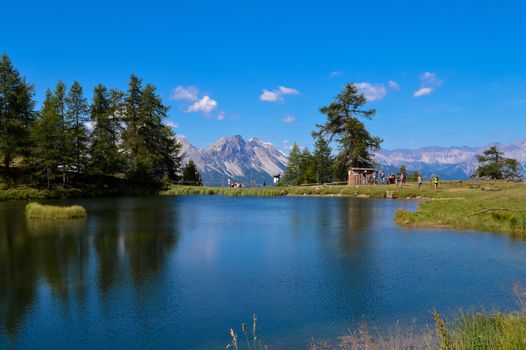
(77, 116)
(191, 174)
(16, 113)
(66, 143)
(137, 163)
(494, 165)
(150, 145)
(307, 168)
(47, 139)
(294, 164)
(105, 157)
(354, 141)
(323, 160)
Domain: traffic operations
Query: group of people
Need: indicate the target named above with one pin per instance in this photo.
(380, 178)
(233, 184)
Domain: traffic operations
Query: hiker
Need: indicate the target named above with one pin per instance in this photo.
(435, 182)
(382, 177)
(419, 181)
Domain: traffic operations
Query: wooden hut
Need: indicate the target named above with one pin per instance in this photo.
(359, 176)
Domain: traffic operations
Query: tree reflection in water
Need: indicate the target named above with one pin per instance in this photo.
(127, 239)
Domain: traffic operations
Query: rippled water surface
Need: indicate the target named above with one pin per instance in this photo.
(178, 272)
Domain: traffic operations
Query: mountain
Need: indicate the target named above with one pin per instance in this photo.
(240, 160)
(446, 162)
(236, 159)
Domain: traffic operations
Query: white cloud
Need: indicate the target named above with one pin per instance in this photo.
(373, 92)
(288, 118)
(394, 85)
(277, 95)
(429, 83)
(422, 92)
(335, 74)
(172, 124)
(270, 96)
(181, 93)
(206, 105)
(430, 80)
(221, 116)
(288, 91)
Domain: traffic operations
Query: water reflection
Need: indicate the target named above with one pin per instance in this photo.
(126, 240)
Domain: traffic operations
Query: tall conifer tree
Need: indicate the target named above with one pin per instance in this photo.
(16, 113)
(105, 157)
(47, 139)
(77, 116)
(322, 160)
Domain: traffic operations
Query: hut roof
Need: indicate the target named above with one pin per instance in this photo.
(362, 169)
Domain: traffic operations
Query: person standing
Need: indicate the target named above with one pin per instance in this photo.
(419, 181)
(435, 182)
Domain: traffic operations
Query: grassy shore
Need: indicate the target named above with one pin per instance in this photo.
(407, 192)
(95, 186)
(492, 207)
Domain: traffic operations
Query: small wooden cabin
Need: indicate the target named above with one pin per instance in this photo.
(359, 176)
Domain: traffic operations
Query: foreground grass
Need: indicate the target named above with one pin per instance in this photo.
(52, 212)
(465, 331)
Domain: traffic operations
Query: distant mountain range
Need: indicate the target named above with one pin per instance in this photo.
(447, 162)
(240, 160)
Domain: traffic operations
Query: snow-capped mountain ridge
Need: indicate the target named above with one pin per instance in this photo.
(234, 158)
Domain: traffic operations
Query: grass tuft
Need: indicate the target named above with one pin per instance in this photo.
(52, 212)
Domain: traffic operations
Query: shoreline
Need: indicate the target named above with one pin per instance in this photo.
(498, 207)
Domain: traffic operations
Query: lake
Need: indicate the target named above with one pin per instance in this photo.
(179, 272)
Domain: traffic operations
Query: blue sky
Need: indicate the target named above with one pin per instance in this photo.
(438, 72)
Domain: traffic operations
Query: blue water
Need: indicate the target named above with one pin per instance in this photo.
(179, 272)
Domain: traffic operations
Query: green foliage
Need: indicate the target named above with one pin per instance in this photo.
(301, 167)
(150, 146)
(493, 165)
(322, 160)
(77, 116)
(16, 113)
(343, 126)
(403, 169)
(293, 171)
(191, 174)
(47, 140)
(104, 116)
